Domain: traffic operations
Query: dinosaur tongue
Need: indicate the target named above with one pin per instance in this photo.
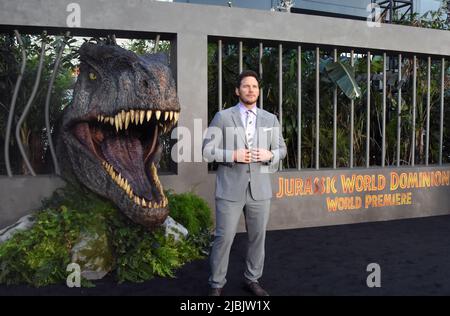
(125, 154)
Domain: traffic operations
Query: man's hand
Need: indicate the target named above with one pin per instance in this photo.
(261, 154)
(242, 155)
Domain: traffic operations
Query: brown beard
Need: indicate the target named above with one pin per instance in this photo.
(247, 103)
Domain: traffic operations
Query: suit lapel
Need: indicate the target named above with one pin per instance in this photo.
(260, 123)
(236, 115)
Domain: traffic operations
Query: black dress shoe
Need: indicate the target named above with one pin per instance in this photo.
(255, 289)
(215, 291)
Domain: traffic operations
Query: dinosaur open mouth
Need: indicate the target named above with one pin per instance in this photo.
(127, 146)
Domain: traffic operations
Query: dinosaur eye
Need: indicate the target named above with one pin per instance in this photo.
(92, 76)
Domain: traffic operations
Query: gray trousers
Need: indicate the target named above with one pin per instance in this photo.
(228, 214)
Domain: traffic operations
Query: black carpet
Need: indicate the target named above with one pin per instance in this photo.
(414, 256)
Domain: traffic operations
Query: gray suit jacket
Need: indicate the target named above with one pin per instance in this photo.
(225, 134)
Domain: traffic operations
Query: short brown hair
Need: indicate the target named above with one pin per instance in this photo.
(244, 74)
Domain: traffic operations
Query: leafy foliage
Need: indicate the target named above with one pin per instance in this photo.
(33, 132)
(39, 256)
(190, 210)
(293, 127)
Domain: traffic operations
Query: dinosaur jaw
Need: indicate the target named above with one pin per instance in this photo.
(127, 148)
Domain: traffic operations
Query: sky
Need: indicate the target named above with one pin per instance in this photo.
(420, 5)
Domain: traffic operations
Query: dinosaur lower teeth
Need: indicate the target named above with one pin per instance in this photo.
(124, 185)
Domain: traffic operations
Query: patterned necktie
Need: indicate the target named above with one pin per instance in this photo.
(249, 122)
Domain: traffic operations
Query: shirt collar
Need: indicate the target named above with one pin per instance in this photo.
(243, 108)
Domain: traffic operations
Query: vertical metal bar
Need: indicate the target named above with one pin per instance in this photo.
(413, 140)
(335, 118)
(399, 109)
(27, 108)
(391, 10)
(352, 114)
(47, 105)
(241, 67)
(317, 106)
(383, 136)
(441, 125)
(280, 87)
(427, 144)
(299, 108)
(368, 112)
(261, 91)
(219, 61)
(156, 47)
(13, 104)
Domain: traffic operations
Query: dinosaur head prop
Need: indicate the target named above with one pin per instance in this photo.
(121, 104)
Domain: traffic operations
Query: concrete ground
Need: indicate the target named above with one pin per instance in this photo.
(413, 255)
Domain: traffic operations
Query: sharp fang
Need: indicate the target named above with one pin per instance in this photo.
(141, 120)
(138, 202)
(123, 114)
(175, 116)
(143, 203)
(132, 115)
(111, 121)
(120, 120)
(116, 122)
(127, 120)
(149, 115)
(170, 115)
(166, 115)
(158, 114)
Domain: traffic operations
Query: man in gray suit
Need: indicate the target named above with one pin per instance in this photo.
(248, 144)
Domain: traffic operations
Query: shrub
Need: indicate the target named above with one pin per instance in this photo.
(40, 255)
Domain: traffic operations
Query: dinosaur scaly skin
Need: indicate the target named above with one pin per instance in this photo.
(122, 103)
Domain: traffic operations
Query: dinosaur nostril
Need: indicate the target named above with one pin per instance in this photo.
(145, 83)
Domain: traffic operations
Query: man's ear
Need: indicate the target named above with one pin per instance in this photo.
(236, 90)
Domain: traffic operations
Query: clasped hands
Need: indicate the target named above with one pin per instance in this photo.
(244, 155)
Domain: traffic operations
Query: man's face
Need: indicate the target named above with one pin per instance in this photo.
(248, 92)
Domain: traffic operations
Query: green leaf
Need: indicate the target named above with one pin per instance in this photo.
(343, 76)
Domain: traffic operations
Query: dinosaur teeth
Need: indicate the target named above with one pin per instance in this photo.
(137, 114)
(127, 120)
(124, 185)
(122, 120)
(116, 123)
(119, 118)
